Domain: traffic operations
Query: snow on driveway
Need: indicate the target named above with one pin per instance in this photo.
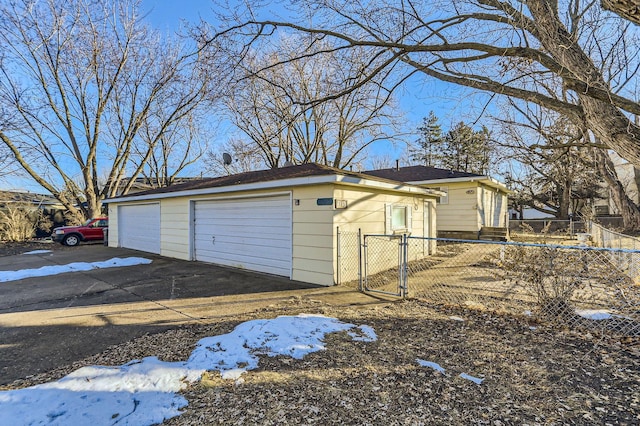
(38, 252)
(44, 271)
(144, 392)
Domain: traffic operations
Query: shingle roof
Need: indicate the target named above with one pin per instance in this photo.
(299, 171)
(27, 197)
(419, 174)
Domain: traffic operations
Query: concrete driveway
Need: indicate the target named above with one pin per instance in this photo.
(54, 320)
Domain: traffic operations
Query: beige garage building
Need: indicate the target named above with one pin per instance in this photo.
(280, 221)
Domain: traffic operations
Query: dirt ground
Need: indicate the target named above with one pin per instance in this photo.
(532, 374)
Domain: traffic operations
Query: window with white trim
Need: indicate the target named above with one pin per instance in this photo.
(444, 199)
(398, 218)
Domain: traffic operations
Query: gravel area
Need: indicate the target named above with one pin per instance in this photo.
(531, 374)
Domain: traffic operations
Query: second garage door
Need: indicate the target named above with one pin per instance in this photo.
(139, 227)
(248, 233)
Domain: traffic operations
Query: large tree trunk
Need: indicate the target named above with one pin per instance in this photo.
(627, 208)
(602, 118)
(564, 200)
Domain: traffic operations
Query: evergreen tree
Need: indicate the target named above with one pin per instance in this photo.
(466, 150)
(461, 148)
(429, 145)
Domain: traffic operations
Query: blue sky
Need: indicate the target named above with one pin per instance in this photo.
(166, 14)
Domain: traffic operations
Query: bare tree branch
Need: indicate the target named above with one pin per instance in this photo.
(91, 91)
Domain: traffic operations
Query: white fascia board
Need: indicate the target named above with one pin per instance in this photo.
(303, 181)
(388, 186)
(489, 181)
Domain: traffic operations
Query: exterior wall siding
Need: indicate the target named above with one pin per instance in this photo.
(366, 211)
(461, 211)
(113, 225)
(312, 230)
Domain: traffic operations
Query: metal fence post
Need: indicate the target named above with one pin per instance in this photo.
(571, 230)
(360, 260)
(338, 255)
(405, 267)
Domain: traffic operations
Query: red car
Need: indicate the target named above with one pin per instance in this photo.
(91, 230)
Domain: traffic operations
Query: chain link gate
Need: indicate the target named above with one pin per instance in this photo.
(384, 259)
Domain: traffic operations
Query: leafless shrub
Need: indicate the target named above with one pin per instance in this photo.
(562, 280)
(537, 270)
(19, 222)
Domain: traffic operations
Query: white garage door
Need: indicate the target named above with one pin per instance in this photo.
(249, 233)
(139, 227)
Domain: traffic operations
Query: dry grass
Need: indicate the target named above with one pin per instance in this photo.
(532, 375)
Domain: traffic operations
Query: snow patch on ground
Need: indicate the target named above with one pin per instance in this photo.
(475, 380)
(437, 367)
(595, 314)
(44, 271)
(143, 392)
(38, 252)
(432, 365)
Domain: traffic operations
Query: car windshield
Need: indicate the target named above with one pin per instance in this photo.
(87, 222)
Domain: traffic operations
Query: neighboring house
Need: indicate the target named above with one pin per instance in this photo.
(475, 205)
(528, 213)
(280, 221)
(49, 205)
(41, 201)
(603, 204)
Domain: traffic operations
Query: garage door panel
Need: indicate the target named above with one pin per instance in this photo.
(249, 259)
(231, 234)
(221, 245)
(139, 227)
(274, 251)
(268, 216)
(239, 229)
(251, 233)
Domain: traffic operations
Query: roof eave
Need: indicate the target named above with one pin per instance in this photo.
(300, 181)
(489, 181)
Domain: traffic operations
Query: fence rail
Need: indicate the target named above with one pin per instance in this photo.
(547, 226)
(586, 287)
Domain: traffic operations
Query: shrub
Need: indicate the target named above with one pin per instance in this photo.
(19, 221)
(562, 280)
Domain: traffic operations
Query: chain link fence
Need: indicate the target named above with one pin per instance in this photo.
(626, 245)
(603, 237)
(549, 227)
(349, 262)
(580, 287)
(574, 286)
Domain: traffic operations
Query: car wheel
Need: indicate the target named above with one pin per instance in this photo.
(71, 240)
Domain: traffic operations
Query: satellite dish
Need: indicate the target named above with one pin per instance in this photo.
(226, 158)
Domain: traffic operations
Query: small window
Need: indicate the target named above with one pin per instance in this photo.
(398, 218)
(444, 199)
